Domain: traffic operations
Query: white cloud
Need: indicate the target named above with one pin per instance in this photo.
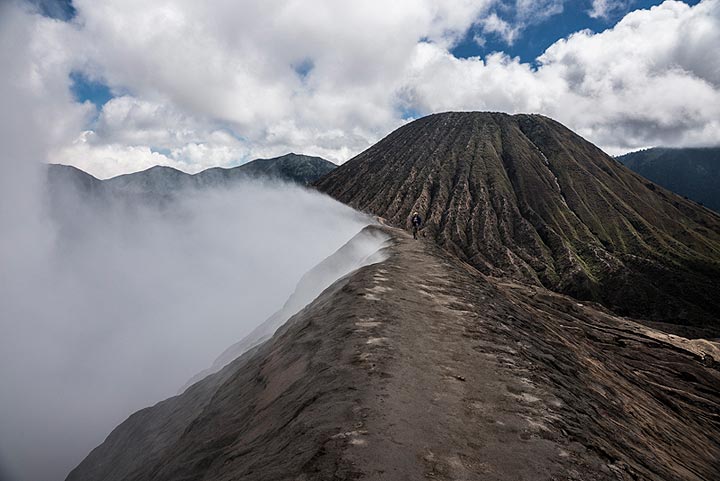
(605, 8)
(205, 85)
(534, 11)
(653, 79)
(131, 134)
(231, 67)
(494, 24)
(508, 19)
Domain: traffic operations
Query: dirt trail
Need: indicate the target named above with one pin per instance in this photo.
(447, 406)
(421, 368)
(480, 378)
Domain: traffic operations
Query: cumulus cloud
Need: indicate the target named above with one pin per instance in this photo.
(535, 11)
(605, 8)
(650, 80)
(131, 134)
(493, 24)
(200, 85)
(106, 309)
(508, 20)
(234, 63)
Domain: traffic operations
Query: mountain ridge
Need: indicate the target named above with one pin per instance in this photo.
(455, 357)
(523, 196)
(690, 172)
(164, 180)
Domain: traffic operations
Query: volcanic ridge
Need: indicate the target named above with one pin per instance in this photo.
(498, 346)
(522, 196)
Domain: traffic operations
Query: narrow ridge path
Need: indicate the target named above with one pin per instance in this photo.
(450, 401)
(418, 368)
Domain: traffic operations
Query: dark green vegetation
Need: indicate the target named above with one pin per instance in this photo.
(523, 197)
(694, 173)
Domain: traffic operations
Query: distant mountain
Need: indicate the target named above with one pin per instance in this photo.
(302, 169)
(691, 172)
(159, 182)
(68, 191)
(523, 196)
(74, 177)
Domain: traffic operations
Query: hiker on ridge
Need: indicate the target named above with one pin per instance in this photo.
(416, 221)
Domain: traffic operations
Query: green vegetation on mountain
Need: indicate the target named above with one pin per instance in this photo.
(522, 196)
(690, 172)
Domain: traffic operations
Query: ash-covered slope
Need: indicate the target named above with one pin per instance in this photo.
(362, 250)
(523, 196)
(419, 367)
(691, 172)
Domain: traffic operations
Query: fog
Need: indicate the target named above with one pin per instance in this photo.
(108, 308)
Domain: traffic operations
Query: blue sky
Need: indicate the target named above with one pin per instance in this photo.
(85, 89)
(61, 9)
(535, 38)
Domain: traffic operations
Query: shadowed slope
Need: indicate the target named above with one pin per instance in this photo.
(421, 368)
(525, 197)
(691, 172)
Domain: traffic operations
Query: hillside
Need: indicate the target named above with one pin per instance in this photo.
(690, 172)
(419, 367)
(161, 180)
(522, 196)
(60, 176)
(302, 169)
(157, 180)
(467, 354)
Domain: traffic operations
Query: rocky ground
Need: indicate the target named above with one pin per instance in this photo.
(420, 367)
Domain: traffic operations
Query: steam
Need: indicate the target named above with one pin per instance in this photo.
(363, 249)
(108, 306)
(129, 302)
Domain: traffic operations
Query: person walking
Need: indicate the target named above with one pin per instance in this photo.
(416, 222)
